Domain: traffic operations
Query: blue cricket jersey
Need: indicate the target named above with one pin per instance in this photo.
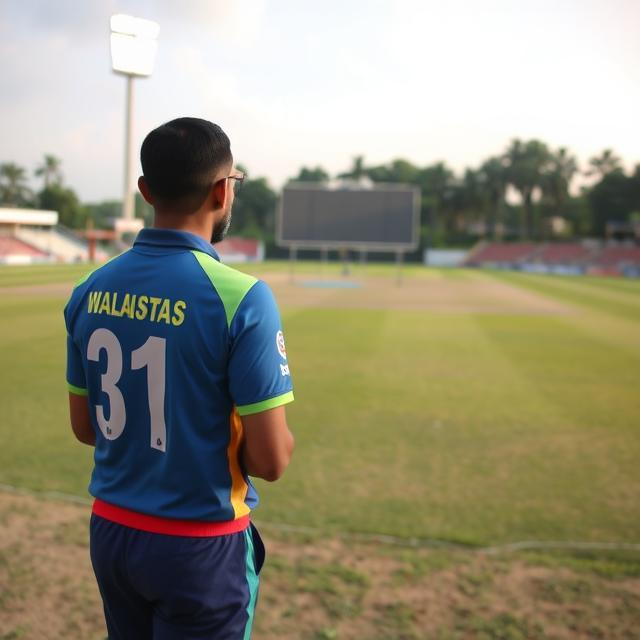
(172, 347)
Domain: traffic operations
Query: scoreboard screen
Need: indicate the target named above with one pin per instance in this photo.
(382, 217)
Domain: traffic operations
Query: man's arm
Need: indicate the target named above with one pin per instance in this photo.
(268, 444)
(81, 419)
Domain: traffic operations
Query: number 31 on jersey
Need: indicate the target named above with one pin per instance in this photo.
(152, 355)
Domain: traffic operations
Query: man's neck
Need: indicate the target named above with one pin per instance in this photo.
(199, 225)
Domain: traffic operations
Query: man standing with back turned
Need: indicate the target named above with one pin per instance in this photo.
(178, 376)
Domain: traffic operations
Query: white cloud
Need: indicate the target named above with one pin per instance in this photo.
(294, 83)
(230, 23)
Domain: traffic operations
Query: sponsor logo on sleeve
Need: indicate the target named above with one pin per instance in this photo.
(280, 344)
(284, 369)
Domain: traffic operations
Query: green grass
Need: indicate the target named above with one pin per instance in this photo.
(462, 427)
(599, 295)
(50, 274)
(41, 274)
(473, 428)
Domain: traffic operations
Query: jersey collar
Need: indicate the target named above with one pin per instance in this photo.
(174, 238)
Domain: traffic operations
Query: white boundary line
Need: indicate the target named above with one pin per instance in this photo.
(524, 545)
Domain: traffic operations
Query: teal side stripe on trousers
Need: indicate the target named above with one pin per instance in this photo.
(252, 581)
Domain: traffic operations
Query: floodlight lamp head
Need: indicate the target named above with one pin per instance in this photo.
(134, 43)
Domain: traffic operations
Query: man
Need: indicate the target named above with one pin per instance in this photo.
(178, 375)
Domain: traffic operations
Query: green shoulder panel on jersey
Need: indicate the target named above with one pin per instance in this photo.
(232, 286)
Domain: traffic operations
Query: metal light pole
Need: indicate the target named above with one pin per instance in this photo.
(134, 43)
(128, 195)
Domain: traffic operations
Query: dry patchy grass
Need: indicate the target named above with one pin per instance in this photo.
(317, 588)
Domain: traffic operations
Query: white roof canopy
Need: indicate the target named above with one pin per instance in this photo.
(38, 217)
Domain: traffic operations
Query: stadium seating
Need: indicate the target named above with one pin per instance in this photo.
(502, 254)
(233, 249)
(618, 257)
(564, 253)
(566, 258)
(14, 250)
(65, 245)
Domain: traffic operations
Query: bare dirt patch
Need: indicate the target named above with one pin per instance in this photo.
(465, 295)
(46, 582)
(318, 588)
(54, 289)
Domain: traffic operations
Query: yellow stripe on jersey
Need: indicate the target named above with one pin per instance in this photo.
(239, 487)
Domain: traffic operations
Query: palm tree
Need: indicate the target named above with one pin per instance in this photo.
(493, 180)
(526, 164)
(437, 182)
(562, 168)
(357, 170)
(13, 187)
(468, 201)
(605, 163)
(50, 170)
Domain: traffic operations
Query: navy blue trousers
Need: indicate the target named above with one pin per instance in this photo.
(163, 587)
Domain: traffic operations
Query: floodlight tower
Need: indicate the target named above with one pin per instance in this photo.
(134, 43)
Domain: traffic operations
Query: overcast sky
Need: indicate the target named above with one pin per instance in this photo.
(303, 83)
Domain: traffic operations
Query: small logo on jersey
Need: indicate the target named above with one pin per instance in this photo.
(280, 343)
(284, 369)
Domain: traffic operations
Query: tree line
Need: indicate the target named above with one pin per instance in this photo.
(54, 195)
(522, 193)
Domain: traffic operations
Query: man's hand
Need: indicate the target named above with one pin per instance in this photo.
(81, 419)
(268, 444)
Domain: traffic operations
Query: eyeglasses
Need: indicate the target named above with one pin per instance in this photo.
(239, 179)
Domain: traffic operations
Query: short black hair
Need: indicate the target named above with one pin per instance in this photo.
(180, 159)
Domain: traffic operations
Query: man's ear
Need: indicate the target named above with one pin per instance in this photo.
(144, 190)
(220, 193)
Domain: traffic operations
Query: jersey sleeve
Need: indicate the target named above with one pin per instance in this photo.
(76, 381)
(259, 376)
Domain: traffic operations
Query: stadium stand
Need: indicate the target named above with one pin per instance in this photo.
(15, 251)
(618, 256)
(564, 253)
(240, 250)
(47, 241)
(57, 241)
(496, 254)
(559, 258)
(31, 235)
